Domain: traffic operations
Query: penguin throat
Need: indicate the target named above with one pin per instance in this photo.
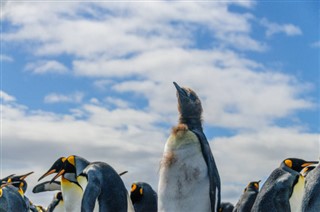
(193, 122)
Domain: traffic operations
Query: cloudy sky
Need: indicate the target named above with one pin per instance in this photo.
(95, 80)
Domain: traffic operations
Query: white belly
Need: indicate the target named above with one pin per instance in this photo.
(72, 196)
(83, 182)
(297, 195)
(184, 183)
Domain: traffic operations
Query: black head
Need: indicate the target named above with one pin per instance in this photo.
(68, 167)
(58, 196)
(189, 104)
(252, 186)
(19, 181)
(136, 192)
(57, 165)
(5, 179)
(297, 164)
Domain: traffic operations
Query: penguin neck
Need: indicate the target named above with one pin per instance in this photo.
(192, 122)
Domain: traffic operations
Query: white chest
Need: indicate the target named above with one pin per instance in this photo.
(184, 182)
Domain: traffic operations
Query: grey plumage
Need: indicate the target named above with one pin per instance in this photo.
(143, 197)
(311, 197)
(11, 200)
(226, 207)
(277, 190)
(248, 197)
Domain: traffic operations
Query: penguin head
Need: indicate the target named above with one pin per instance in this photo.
(72, 167)
(252, 186)
(136, 192)
(58, 196)
(189, 104)
(57, 165)
(5, 179)
(20, 181)
(297, 164)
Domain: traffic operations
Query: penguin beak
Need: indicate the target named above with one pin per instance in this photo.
(62, 171)
(26, 175)
(51, 171)
(309, 163)
(180, 91)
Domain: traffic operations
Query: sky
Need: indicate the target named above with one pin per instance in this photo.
(94, 79)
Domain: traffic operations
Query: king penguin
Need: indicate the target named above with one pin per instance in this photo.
(189, 179)
(57, 204)
(311, 197)
(283, 189)
(101, 184)
(71, 190)
(143, 197)
(11, 199)
(248, 197)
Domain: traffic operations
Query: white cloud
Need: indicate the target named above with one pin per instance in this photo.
(57, 98)
(119, 103)
(6, 97)
(6, 58)
(274, 28)
(46, 66)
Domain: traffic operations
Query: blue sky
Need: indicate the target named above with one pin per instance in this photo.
(95, 79)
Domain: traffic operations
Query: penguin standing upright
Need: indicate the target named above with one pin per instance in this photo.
(189, 179)
(101, 184)
(282, 190)
(248, 197)
(311, 197)
(143, 197)
(71, 190)
(11, 199)
(57, 204)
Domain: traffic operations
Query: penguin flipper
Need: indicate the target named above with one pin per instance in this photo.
(90, 196)
(215, 195)
(47, 186)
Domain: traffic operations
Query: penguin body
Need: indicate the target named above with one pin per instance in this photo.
(143, 197)
(311, 197)
(248, 197)
(188, 172)
(11, 200)
(102, 185)
(71, 190)
(278, 189)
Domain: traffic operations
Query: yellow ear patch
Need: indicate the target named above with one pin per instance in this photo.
(0, 192)
(256, 185)
(63, 159)
(288, 163)
(133, 187)
(141, 191)
(71, 160)
(9, 180)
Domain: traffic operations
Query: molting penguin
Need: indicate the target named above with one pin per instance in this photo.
(101, 183)
(71, 190)
(248, 197)
(283, 189)
(143, 197)
(189, 179)
(311, 197)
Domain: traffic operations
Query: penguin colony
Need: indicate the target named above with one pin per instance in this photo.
(188, 180)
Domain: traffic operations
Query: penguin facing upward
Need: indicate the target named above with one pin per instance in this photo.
(279, 192)
(143, 197)
(20, 182)
(71, 190)
(248, 197)
(101, 183)
(188, 173)
(311, 197)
